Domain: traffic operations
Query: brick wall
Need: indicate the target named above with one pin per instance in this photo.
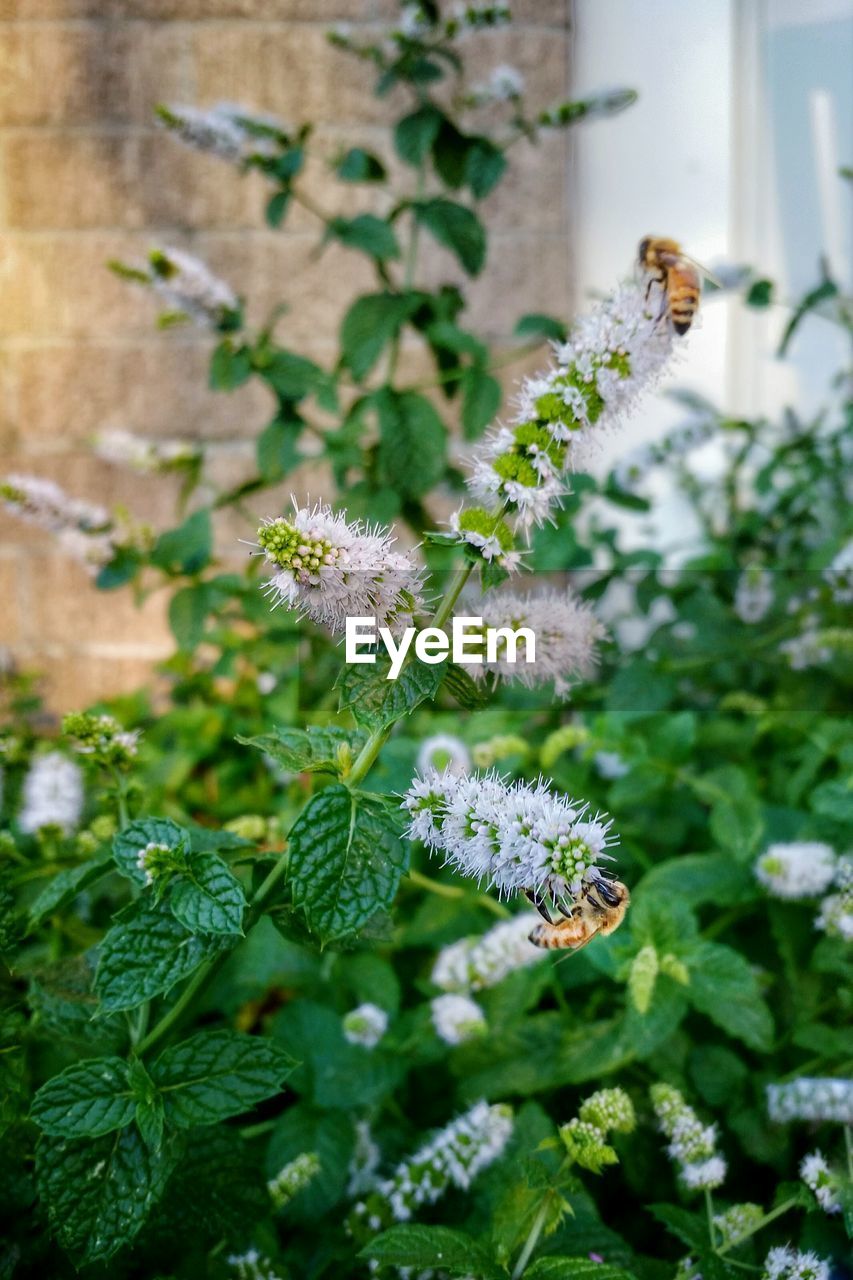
(85, 177)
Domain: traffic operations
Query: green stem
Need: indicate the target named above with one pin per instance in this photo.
(206, 971)
(768, 1217)
(709, 1213)
(532, 1239)
(455, 891)
(366, 757)
(848, 1142)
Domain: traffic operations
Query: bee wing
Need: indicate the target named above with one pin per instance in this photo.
(703, 271)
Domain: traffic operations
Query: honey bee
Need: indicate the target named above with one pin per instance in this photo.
(600, 909)
(677, 276)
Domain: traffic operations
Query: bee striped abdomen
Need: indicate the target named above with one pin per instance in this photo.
(683, 305)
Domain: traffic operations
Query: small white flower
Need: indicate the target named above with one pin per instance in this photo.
(809, 1098)
(787, 1263)
(332, 569)
(801, 869)
(444, 751)
(754, 595)
(472, 964)
(265, 682)
(365, 1161)
(52, 794)
(252, 1265)
(517, 837)
(224, 130)
(505, 84)
(806, 650)
(124, 449)
(610, 765)
(84, 530)
(365, 1025)
(457, 1018)
(692, 1145)
(451, 1158)
(819, 1178)
(705, 1174)
(738, 1222)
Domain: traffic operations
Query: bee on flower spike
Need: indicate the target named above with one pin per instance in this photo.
(599, 909)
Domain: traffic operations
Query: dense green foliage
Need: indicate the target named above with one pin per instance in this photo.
(178, 970)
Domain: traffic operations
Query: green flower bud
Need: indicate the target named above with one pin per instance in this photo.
(642, 978)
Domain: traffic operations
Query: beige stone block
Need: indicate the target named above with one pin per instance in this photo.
(69, 393)
(12, 620)
(72, 680)
(67, 180)
(88, 73)
(289, 70)
(68, 609)
(181, 188)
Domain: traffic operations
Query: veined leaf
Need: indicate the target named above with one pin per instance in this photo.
(87, 1100)
(144, 955)
(217, 1074)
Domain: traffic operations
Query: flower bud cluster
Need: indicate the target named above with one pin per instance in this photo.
(293, 1178)
(519, 836)
(333, 569)
(101, 738)
(754, 595)
(457, 1018)
(365, 1161)
(365, 1025)
(835, 917)
(159, 861)
(124, 449)
(188, 287)
(598, 106)
(810, 1098)
(503, 745)
(611, 357)
(801, 869)
(224, 130)
(692, 1145)
(505, 84)
(451, 1158)
(473, 964)
(566, 630)
(738, 1222)
(585, 1137)
(252, 1265)
(52, 795)
(820, 1179)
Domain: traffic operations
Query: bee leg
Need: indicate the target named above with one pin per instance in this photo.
(539, 903)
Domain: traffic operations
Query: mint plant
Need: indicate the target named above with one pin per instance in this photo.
(270, 1006)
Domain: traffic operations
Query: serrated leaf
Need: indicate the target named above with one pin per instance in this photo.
(455, 227)
(724, 988)
(64, 888)
(217, 1074)
(375, 701)
(312, 750)
(412, 442)
(464, 689)
(574, 1269)
(88, 1099)
(217, 1186)
(685, 1226)
(144, 956)
(208, 898)
(346, 860)
(98, 1193)
(697, 878)
(415, 1245)
(129, 843)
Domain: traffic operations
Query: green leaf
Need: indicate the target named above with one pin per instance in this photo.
(129, 843)
(359, 165)
(696, 878)
(86, 1100)
(415, 134)
(822, 293)
(367, 328)
(120, 570)
(327, 1133)
(186, 549)
(368, 233)
(574, 1269)
(217, 1074)
(292, 377)
(485, 165)
(188, 610)
(415, 1245)
(413, 442)
(346, 860)
(481, 398)
(217, 1186)
(759, 294)
(98, 1193)
(537, 325)
(277, 207)
(724, 988)
(208, 898)
(834, 800)
(466, 691)
(375, 701)
(312, 750)
(736, 820)
(277, 449)
(144, 955)
(687, 1227)
(457, 228)
(230, 366)
(64, 888)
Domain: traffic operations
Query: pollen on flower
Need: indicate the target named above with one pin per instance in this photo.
(332, 569)
(517, 837)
